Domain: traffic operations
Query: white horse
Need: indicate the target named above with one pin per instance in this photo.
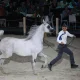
(30, 46)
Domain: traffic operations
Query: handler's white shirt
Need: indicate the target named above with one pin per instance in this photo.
(64, 36)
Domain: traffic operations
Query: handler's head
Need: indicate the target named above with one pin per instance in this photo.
(64, 27)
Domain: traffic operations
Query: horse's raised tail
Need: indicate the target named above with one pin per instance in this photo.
(1, 33)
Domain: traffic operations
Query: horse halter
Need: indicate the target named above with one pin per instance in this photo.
(50, 28)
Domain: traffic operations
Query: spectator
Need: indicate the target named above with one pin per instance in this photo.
(2, 10)
(53, 4)
(62, 4)
(65, 13)
(23, 8)
(78, 4)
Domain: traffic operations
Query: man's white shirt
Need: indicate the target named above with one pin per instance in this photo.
(62, 37)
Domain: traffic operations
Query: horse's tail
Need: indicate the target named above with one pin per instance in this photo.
(1, 33)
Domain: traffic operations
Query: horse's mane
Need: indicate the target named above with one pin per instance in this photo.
(32, 31)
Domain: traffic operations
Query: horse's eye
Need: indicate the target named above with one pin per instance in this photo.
(48, 27)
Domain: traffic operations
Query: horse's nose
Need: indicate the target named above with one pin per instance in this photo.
(51, 30)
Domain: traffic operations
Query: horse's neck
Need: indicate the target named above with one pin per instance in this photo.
(38, 37)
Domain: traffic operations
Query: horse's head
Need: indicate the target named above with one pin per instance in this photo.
(47, 27)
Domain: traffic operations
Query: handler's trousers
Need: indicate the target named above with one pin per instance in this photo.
(63, 48)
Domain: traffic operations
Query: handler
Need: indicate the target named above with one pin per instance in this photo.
(62, 47)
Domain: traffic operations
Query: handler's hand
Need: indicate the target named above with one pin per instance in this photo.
(62, 43)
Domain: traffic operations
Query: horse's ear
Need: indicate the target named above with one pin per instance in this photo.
(43, 20)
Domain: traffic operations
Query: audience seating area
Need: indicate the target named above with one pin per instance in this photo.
(11, 17)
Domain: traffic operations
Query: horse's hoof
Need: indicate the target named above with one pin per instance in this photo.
(42, 66)
(35, 73)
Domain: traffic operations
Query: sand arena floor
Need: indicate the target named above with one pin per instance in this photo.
(19, 68)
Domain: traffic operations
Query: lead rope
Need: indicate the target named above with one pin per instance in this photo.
(69, 44)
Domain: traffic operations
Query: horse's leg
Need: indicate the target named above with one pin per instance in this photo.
(34, 62)
(45, 56)
(3, 56)
(2, 59)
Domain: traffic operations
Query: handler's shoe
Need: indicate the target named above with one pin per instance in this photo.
(74, 66)
(50, 67)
